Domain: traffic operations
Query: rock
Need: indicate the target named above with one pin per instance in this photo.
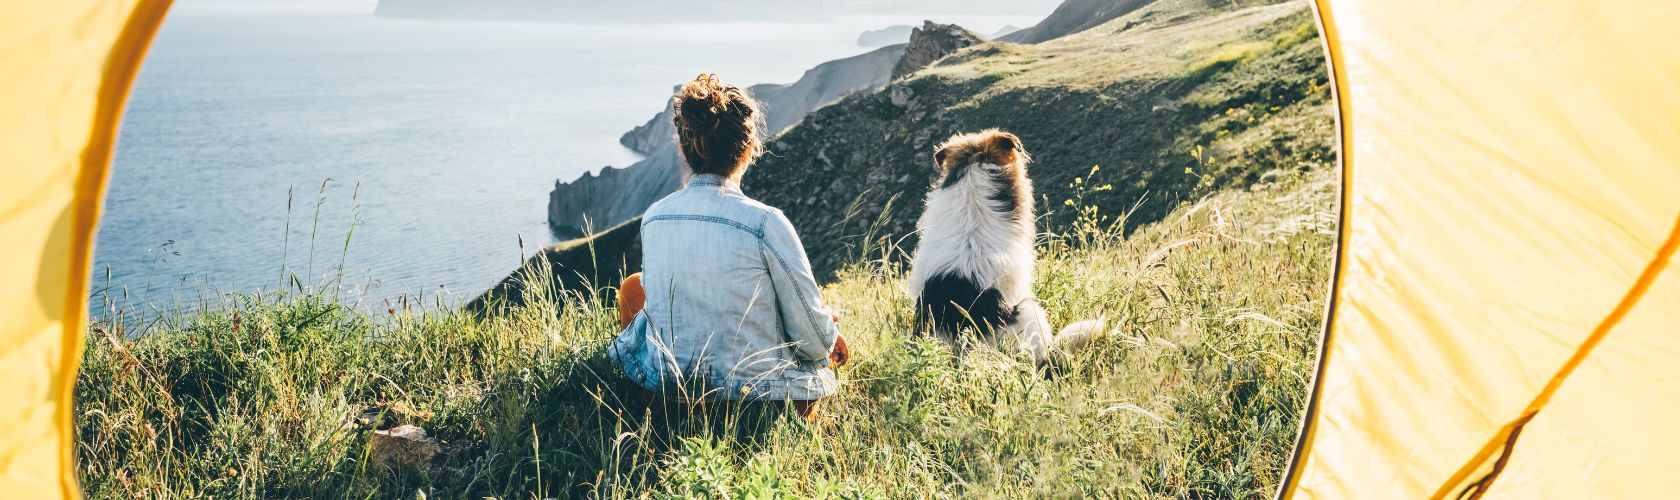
(900, 95)
(596, 202)
(403, 445)
(930, 43)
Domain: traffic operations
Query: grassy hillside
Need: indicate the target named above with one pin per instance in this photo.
(1198, 394)
(1172, 101)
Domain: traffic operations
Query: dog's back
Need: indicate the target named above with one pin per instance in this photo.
(950, 303)
(973, 265)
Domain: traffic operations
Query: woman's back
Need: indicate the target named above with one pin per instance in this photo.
(731, 306)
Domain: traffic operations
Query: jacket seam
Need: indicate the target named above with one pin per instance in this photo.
(708, 218)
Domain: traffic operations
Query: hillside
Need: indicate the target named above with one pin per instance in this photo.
(1196, 395)
(1074, 16)
(1170, 101)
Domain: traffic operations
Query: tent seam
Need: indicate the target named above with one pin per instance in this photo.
(1506, 439)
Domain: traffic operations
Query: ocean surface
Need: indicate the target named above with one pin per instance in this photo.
(259, 133)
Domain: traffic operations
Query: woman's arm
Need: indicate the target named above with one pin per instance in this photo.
(809, 326)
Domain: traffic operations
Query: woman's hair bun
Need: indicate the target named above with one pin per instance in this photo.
(717, 125)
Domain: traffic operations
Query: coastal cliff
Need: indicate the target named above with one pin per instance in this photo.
(617, 194)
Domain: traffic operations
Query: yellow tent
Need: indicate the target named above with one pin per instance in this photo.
(1504, 319)
(65, 70)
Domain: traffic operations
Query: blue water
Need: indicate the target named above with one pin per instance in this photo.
(439, 140)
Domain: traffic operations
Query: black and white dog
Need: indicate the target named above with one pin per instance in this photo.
(973, 268)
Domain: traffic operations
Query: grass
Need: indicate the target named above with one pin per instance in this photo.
(1197, 393)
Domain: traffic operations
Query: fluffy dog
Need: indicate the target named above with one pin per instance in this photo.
(973, 268)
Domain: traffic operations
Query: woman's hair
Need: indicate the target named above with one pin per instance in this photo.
(717, 126)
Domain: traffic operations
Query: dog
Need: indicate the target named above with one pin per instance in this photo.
(973, 267)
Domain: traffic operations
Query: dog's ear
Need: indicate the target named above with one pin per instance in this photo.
(1005, 141)
(939, 154)
(1008, 146)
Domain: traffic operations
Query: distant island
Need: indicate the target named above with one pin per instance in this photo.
(895, 34)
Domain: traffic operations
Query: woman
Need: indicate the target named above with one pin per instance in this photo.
(731, 310)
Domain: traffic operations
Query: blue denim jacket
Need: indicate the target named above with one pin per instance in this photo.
(732, 306)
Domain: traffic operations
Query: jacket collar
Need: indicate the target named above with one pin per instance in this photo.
(713, 180)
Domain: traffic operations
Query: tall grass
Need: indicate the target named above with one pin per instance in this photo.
(1196, 393)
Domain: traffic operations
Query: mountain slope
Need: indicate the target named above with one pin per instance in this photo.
(1074, 16)
(1171, 101)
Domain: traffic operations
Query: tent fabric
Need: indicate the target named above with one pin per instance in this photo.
(1504, 320)
(65, 70)
(1504, 315)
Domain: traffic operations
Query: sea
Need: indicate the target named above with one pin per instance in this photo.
(310, 145)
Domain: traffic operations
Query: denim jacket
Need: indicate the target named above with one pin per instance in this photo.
(732, 306)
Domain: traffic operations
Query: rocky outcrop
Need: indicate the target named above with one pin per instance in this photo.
(1074, 16)
(597, 201)
(930, 43)
(897, 33)
(617, 194)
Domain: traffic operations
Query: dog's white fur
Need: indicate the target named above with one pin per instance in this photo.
(964, 231)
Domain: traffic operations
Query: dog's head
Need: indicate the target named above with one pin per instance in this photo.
(990, 152)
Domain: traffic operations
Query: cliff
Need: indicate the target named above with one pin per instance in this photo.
(931, 42)
(616, 195)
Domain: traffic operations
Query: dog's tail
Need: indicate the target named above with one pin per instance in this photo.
(1076, 336)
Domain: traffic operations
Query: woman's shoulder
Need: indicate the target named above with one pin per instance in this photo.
(731, 205)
